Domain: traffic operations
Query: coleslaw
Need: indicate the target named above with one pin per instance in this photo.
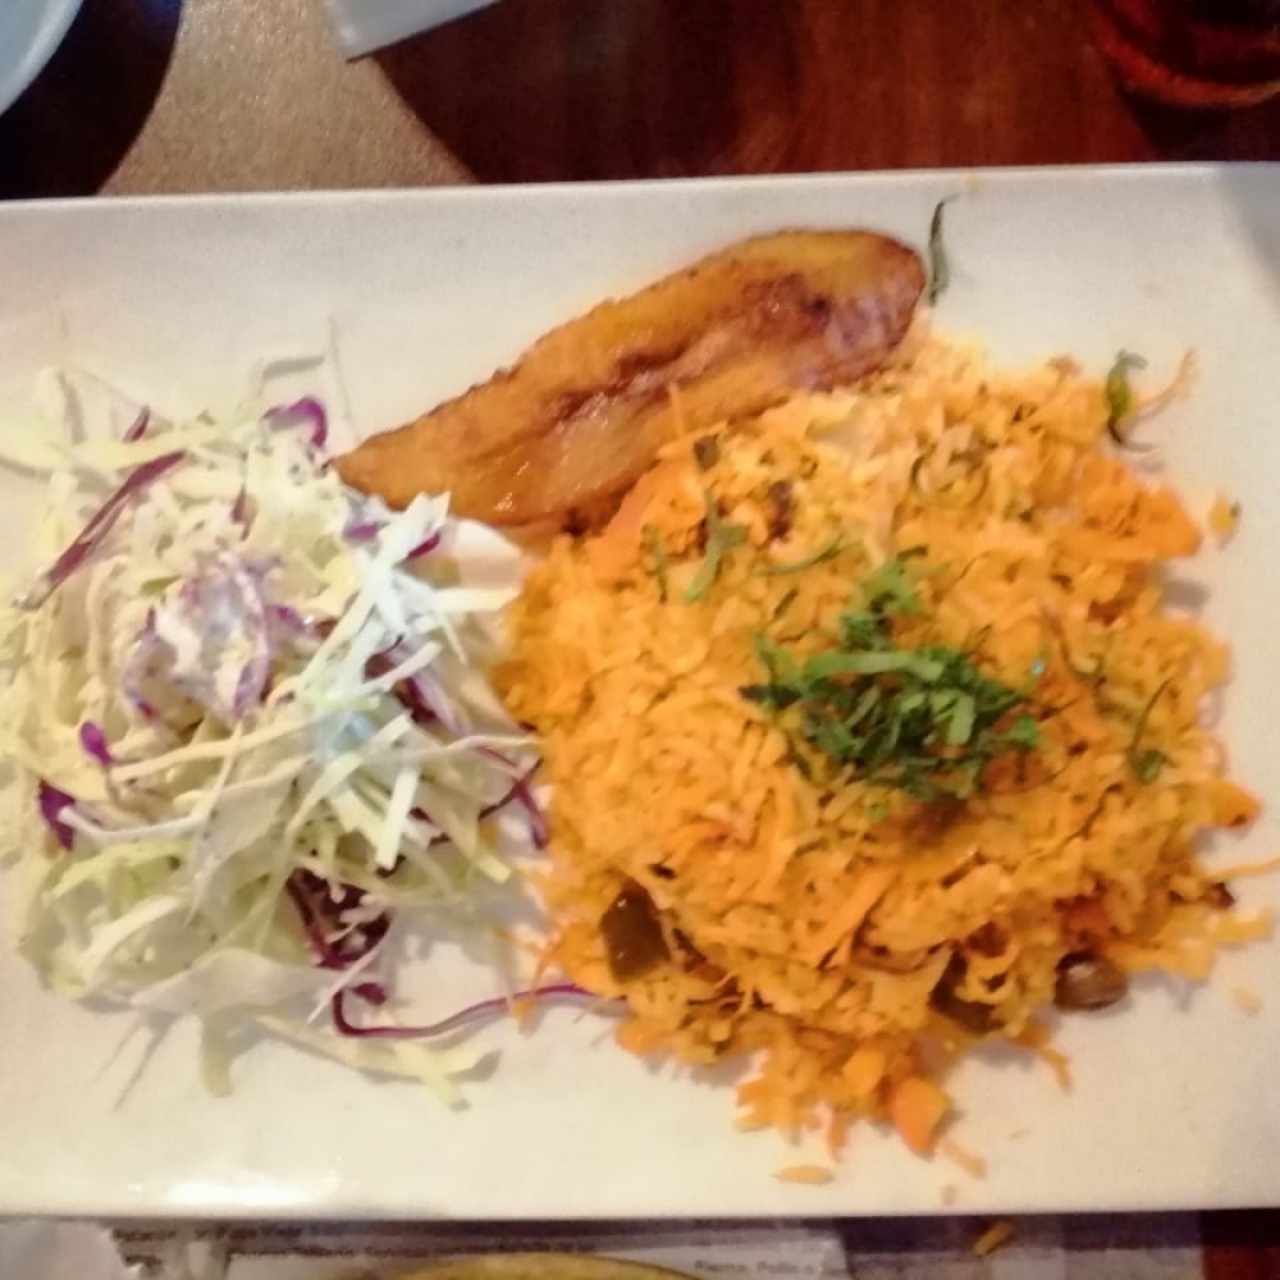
(248, 730)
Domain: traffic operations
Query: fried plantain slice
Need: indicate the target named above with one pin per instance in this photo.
(583, 412)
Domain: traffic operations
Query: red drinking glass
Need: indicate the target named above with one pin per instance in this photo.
(1192, 53)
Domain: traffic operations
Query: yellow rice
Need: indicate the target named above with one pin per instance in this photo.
(809, 920)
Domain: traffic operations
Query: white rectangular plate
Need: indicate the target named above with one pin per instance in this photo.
(1175, 1102)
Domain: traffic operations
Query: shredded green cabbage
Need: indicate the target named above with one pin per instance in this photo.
(242, 682)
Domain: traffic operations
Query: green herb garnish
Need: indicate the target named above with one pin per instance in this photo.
(654, 545)
(939, 266)
(890, 587)
(872, 663)
(781, 666)
(775, 696)
(722, 537)
(923, 719)
(1121, 402)
(1146, 762)
(826, 552)
(1024, 733)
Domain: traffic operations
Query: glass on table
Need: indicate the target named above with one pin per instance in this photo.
(1192, 53)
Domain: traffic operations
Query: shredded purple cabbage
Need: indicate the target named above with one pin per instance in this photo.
(538, 828)
(378, 664)
(305, 412)
(287, 617)
(52, 803)
(521, 794)
(414, 693)
(321, 908)
(240, 511)
(362, 530)
(505, 760)
(412, 696)
(94, 742)
(139, 427)
(433, 703)
(92, 535)
(425, 548)
(367, 530)
(483, 1009)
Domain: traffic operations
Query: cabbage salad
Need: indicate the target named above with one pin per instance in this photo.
(248, 731)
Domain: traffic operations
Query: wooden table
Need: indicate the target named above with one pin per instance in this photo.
(218, 95)
(162, 95)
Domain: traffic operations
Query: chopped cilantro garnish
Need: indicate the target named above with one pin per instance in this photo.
(722, 537)
(1023, 734)
(963, 712)
(890, 588)
(1146, 762)
(777, 696)
(654, 544)
(874, 663)
(863, 630)
(1121, 403)
(781, 666)
(926, 720)
(826, 552)
(939, 265)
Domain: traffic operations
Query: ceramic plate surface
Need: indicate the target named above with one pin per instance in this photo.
(30, 30)
(1174, 1103)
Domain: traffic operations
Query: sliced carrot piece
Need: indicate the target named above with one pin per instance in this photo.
(813, 1175)
(1233, 806)
(917, 1107)
(864, 1070)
